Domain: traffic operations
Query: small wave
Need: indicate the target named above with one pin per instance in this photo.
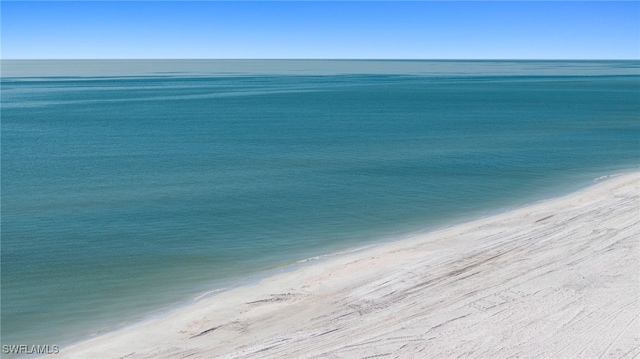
(209, 293)
(346, 251)
(601, 178)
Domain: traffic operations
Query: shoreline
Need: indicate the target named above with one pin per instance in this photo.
(285, 314)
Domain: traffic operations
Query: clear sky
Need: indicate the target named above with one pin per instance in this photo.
(305, 29)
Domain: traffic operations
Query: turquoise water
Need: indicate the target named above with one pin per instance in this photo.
(129, 187)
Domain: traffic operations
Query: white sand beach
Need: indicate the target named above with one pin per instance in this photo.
(557, 279)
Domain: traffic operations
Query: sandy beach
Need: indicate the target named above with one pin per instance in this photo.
(557, 279)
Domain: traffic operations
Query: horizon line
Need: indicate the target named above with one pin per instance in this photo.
(320, 59)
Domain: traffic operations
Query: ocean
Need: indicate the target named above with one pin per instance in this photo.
(133, 187)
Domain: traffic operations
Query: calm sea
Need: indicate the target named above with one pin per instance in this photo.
(131, 187)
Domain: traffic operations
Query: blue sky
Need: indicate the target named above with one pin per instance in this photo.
(305, 29)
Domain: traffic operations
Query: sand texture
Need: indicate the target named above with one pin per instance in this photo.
(557, 279)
